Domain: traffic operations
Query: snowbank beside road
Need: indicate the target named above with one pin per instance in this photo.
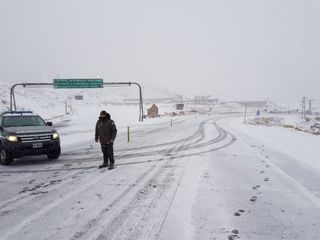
(309, 125)
(297, 144)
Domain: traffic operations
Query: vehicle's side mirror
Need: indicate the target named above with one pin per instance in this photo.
(49, 123)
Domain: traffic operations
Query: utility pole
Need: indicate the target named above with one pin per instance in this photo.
(310, 106)
(245, 114)
(303, 108)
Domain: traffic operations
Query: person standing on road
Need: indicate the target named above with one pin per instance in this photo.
(106, 132)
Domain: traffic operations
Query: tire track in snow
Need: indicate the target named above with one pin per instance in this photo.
(128, 192)
(80, 190)
(198, 137)
(104, 228)
(25, 197)
(118, 208)
(33, 217)
(121, 210)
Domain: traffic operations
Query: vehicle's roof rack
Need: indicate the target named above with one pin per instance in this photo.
(16, 112)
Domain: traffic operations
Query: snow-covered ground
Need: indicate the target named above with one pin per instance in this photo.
(201, 175)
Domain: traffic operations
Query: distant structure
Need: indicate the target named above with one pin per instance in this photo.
(153, 111)
(153, 100)
(253, 103)
(179, 106)
(205, 100)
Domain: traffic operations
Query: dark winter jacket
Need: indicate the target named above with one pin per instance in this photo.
(106, 131)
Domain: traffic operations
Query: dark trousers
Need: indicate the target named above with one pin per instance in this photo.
(107, 150)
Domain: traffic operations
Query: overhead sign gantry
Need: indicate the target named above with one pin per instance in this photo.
(76, 83)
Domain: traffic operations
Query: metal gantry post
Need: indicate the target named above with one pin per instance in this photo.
(140, 95)
(12, 96)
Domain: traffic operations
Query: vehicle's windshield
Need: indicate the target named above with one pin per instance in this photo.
(15, 121)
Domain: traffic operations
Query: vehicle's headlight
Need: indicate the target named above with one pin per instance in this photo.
(12, 138)
(55, 136)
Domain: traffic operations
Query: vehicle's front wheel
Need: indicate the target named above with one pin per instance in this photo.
(54, 154)
(6, 158)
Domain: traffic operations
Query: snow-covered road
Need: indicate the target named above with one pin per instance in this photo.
(205, 177)
(254, 189)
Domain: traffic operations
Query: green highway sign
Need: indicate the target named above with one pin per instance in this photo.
(78, 83)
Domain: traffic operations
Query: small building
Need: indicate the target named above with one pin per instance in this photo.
(179, 106)
(153, 111)
(78, 97)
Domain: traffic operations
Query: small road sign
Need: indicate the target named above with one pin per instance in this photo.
(78, 97)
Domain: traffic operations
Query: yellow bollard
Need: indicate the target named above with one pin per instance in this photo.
(128, 131)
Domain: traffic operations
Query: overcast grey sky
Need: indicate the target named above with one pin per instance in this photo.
(232, 49)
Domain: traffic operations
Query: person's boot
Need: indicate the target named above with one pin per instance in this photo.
(104, 164)
(111, 167)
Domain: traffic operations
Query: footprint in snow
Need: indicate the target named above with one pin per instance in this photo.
(253, 199)
(237, 214)
(233, 237)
